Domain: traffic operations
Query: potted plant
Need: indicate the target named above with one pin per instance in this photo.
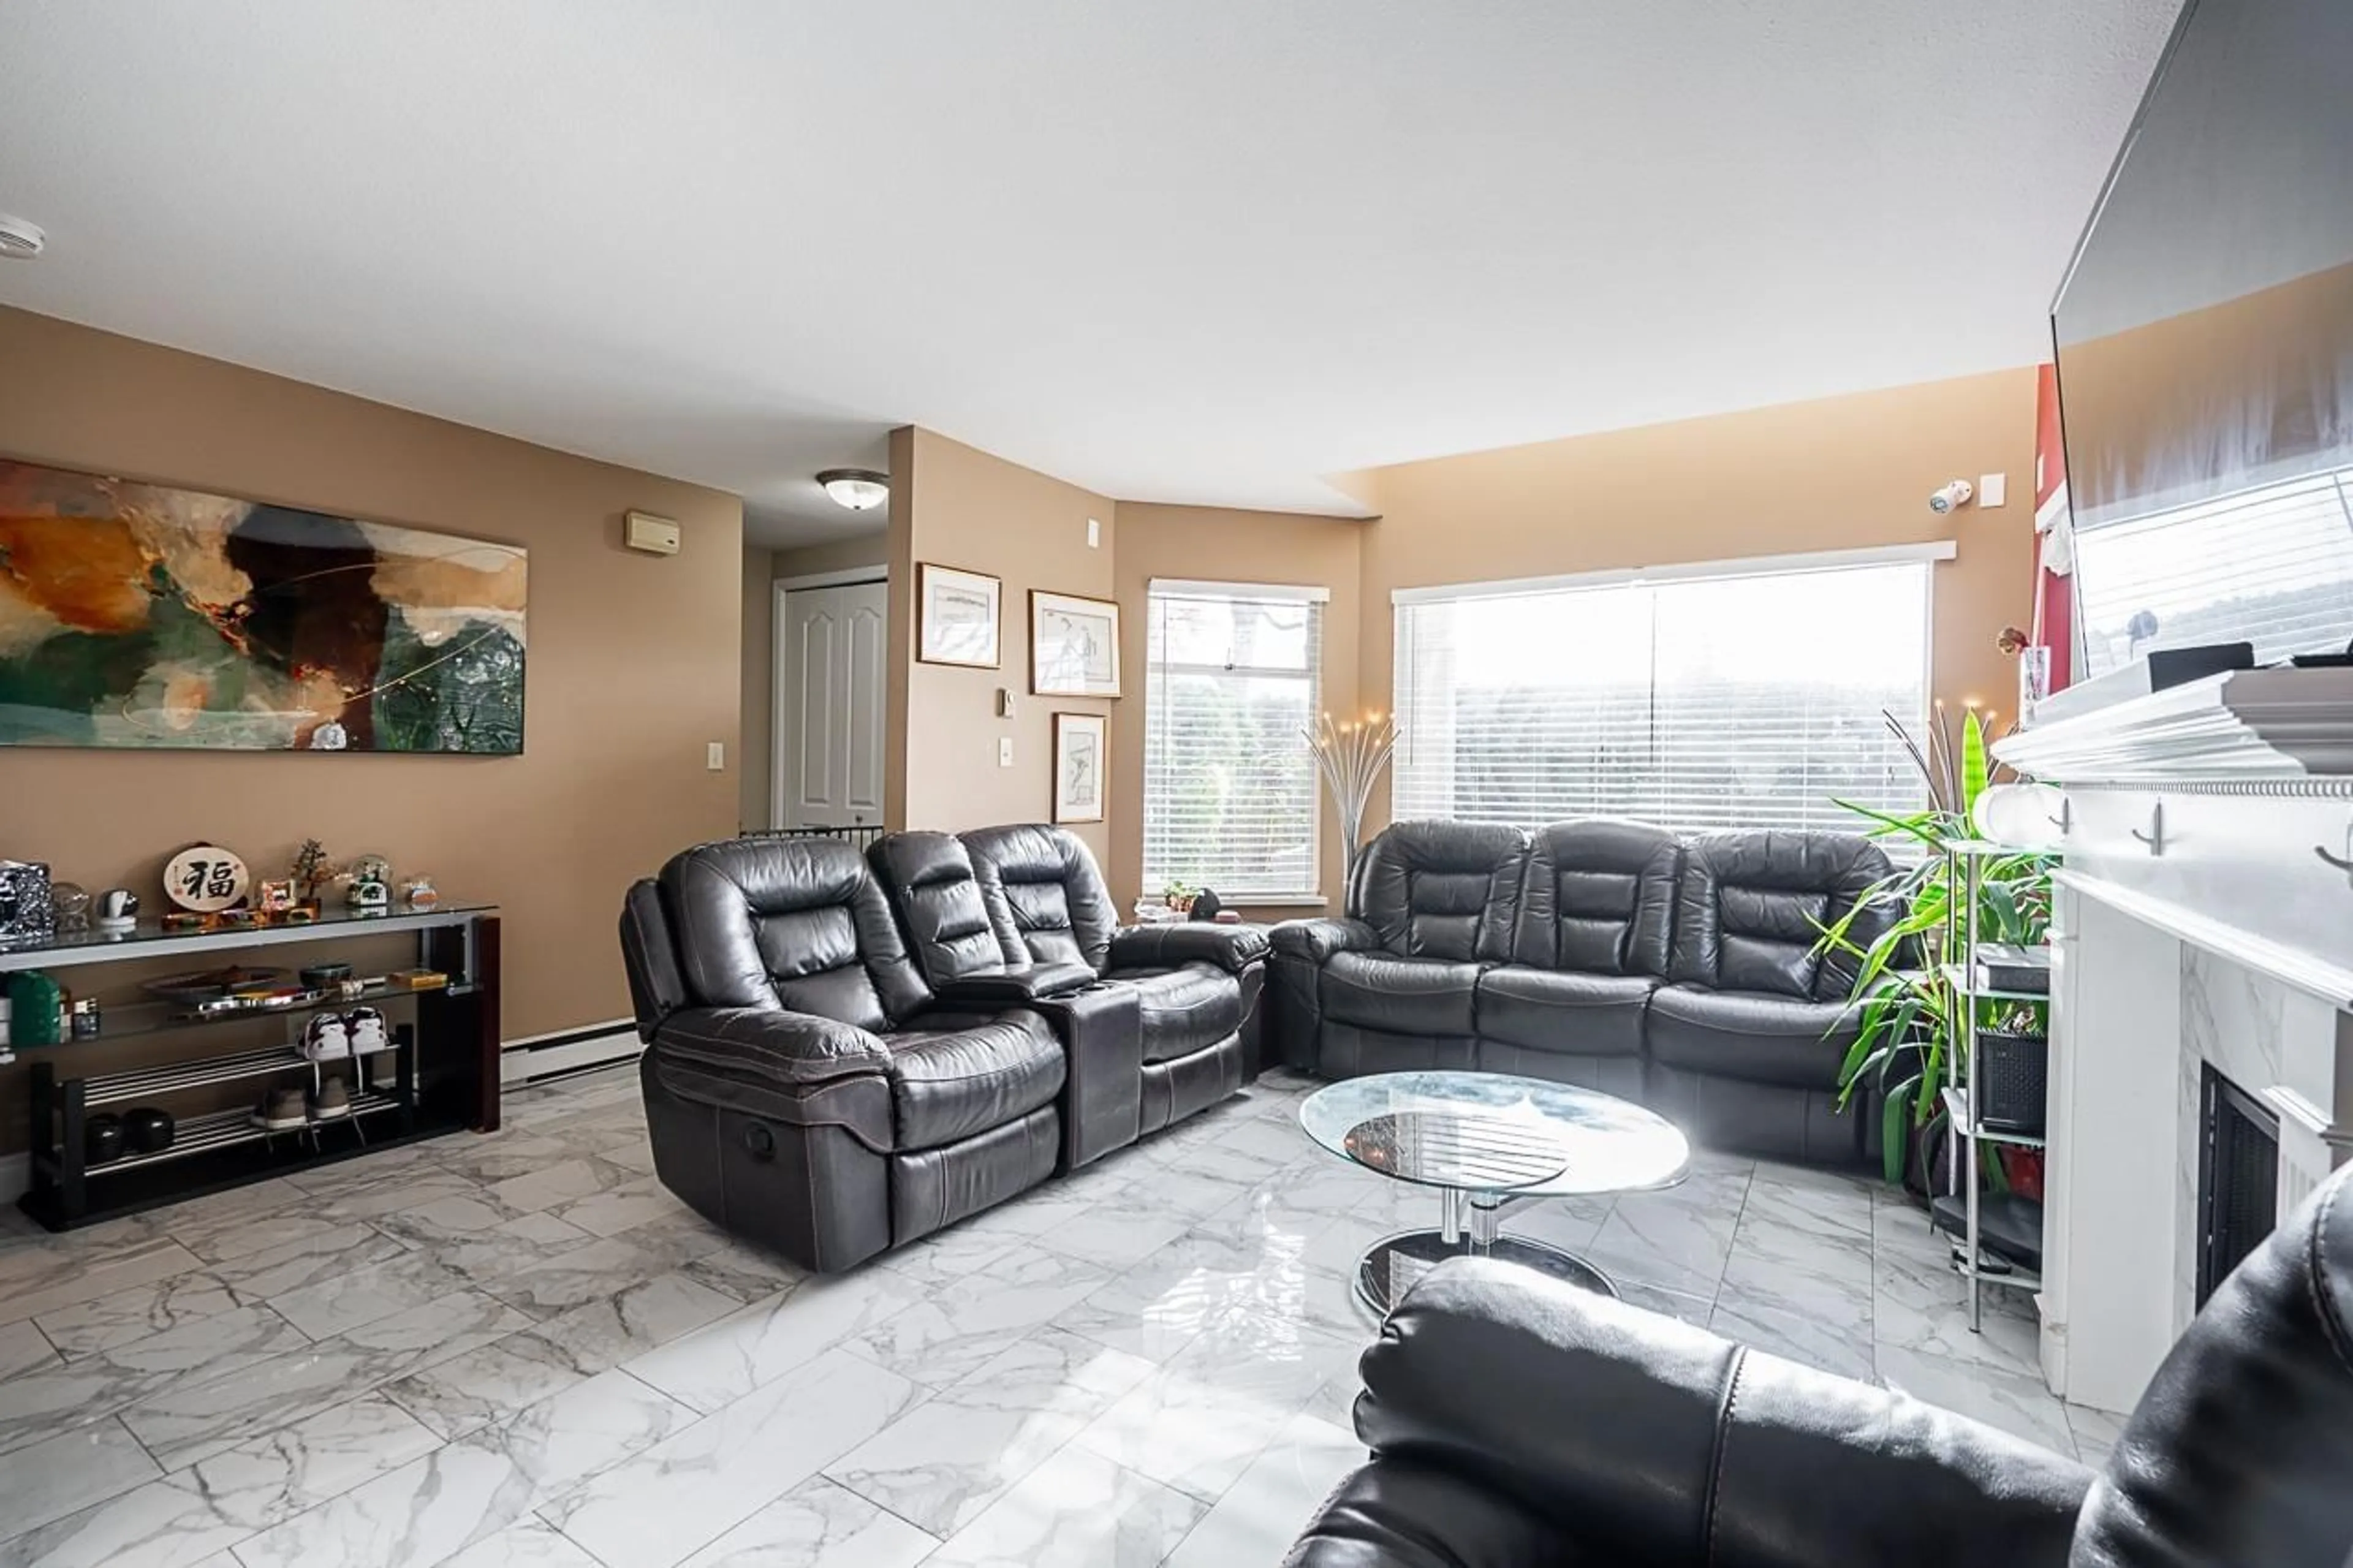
(1911, 1018)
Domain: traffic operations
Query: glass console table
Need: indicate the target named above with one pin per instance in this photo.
(206, 1063)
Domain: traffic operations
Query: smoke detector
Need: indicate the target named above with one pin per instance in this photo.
(19, 240)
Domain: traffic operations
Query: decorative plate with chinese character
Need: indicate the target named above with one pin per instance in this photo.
(205, 879)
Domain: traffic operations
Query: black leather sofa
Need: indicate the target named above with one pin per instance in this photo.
(843, 1056)
(1515, 1422)
(1613, 955)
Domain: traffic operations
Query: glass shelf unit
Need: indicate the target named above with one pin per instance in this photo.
(131, 1020)
(148, 939)
(1956, 1105)
(1962, 1216)
(440, 1073)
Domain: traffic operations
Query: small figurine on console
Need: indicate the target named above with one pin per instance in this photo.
(118, 910)
(370, 890)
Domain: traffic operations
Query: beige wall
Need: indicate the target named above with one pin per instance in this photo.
(1834, 473)
(833, 555)
(1213, 544)
(954, 506)
(633, 666)
(757, 703)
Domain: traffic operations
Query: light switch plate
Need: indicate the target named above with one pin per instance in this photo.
(1992, 489)
(1094, 534)
(1005, 751)
(716, 757)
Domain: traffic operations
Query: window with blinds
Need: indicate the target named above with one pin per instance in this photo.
(2272, 566)
(1744, 699)
(1229, 788)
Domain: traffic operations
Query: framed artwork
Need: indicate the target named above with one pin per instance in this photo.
(958, 614)
(1079, 762)
(1073, 645)
(141, 616)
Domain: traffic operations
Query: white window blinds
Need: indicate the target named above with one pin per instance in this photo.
(1229, 788)
(1737, 700)
(2272, 566)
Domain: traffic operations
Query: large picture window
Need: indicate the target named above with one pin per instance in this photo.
(1229, 788)
(1729, 698)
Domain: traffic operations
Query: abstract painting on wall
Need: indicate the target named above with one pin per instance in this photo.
(140, 615)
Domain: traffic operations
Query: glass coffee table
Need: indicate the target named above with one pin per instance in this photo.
(1487, 1140)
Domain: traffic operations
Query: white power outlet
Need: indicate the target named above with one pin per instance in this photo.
(716, 757)
(1005, 751)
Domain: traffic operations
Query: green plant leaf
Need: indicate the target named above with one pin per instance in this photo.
(1998, 919)
(1923, 826)
(1973, 760)
(1894, 1138)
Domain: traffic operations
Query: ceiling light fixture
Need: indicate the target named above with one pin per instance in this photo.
(19, 240)
(859, 490)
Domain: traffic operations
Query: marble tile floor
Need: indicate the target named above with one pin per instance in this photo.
(519, 1350)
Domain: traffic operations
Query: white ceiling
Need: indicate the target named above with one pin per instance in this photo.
(1199, 250)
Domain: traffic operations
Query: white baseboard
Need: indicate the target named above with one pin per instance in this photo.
(520, 1062)
(549, 1055)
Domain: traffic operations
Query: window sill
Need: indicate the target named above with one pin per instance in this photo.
(1269, 903)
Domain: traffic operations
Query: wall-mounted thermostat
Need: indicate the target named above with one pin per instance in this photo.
(654, 535)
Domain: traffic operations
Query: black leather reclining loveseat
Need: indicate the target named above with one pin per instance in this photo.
(842, 1056)
(1614, 955)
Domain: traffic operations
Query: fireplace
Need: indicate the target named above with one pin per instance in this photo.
(2238, 1179)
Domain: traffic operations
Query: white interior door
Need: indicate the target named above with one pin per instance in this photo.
(830, 698)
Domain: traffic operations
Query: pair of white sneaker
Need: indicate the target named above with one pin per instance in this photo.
(358, 1033)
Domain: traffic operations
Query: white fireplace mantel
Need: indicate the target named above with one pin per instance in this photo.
(2248, 726)
(2204, 917)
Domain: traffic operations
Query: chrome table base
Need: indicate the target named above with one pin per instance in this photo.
(1469, 1227)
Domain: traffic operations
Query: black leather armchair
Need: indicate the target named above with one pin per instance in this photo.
(803, 1086)
(1515, 1422)
(1194, 988)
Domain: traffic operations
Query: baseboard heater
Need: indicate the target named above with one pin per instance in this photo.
(546, 1057)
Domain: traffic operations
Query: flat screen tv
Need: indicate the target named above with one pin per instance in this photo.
(2205, 347)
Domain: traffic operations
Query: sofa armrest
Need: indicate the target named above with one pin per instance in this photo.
(1231, 948)
(1670, 1445)
(1316, 940)
(1015, 987)
(792, 1048)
